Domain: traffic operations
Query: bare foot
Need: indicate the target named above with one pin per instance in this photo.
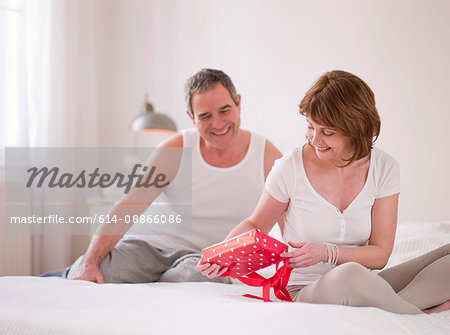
(440, 308)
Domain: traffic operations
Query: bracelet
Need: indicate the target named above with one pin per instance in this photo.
(333, 253)
(337, 255)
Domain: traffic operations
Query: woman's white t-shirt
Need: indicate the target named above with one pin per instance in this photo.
(311, 218)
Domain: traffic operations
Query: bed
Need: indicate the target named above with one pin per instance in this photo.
(33, 305)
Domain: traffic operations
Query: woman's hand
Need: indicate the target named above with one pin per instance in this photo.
(211, 270)
(306, 254)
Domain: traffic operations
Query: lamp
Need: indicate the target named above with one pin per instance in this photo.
(150, 121)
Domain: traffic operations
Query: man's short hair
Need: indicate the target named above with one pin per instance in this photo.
(204, 80)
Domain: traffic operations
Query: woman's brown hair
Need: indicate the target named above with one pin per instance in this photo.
(345, 103)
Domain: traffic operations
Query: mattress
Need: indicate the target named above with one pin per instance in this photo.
(33, 305)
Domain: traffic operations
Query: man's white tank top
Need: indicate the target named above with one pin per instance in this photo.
(221, 197)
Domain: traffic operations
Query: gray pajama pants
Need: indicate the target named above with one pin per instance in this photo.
(136, 261)
(407, 288)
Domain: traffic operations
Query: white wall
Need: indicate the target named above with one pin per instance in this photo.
(274, 50)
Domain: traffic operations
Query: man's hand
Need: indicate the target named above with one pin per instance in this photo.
(306, 254)
(210, 270)
(89, 272)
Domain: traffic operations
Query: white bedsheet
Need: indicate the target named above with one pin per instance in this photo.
(32, 305)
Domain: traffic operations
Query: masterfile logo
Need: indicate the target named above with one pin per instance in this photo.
(76, 191)
(95, 179)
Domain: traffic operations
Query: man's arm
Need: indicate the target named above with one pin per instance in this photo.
(107, 235)
(271, 153)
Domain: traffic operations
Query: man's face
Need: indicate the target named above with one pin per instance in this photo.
(216, 116)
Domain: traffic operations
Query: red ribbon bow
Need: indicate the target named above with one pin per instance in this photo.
(278, 282)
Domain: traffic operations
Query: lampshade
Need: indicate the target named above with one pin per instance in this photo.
(149, 121)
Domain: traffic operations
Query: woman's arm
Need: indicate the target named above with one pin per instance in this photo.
(267, 212)
(384, 222)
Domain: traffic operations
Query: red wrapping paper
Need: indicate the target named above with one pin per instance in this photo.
(250, 252)
(246, 253)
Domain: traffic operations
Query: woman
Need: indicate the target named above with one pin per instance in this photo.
(339, 196)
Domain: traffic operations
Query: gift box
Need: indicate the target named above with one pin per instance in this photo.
(250, 252)
(246, 253)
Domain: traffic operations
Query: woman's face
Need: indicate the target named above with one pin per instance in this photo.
(329, 144)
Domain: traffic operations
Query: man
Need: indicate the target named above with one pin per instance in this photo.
(229, 166)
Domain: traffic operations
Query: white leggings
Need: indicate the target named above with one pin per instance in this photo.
(407, 288)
